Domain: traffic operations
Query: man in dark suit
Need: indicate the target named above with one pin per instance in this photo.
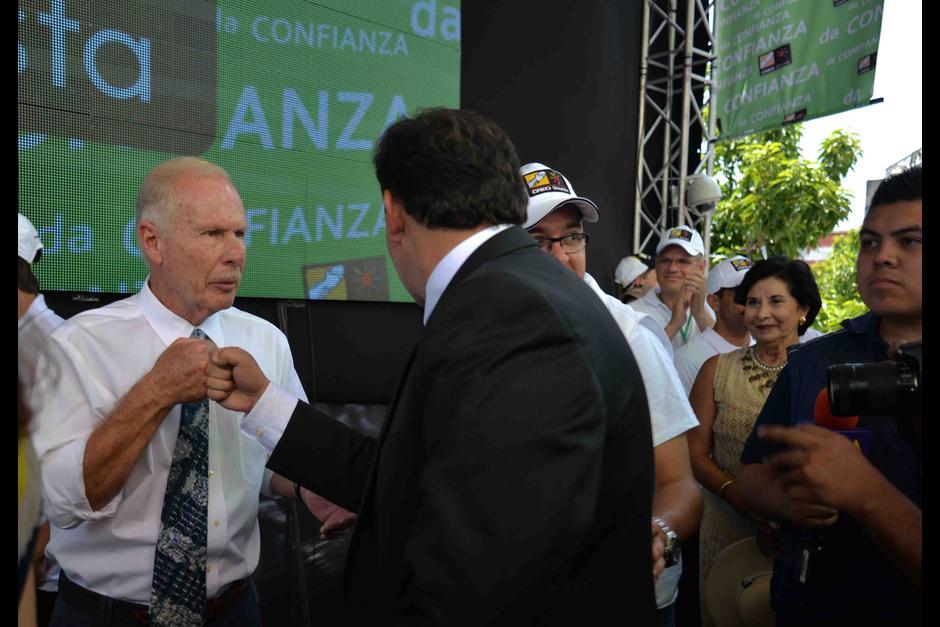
(512, 481)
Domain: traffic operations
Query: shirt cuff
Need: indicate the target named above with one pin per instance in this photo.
(65, 503)
(268, 419)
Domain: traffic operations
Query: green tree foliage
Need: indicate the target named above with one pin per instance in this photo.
(836, 279)
(774, 197)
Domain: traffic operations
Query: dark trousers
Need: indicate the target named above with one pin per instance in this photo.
(76, 606)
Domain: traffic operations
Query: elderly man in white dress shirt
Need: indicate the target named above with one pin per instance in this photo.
(110, 436)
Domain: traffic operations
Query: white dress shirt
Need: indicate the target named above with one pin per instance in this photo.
(670, 412)
(653, 305)
(450, 263)
(102, 353)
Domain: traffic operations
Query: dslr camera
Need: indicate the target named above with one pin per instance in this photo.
(880, 388)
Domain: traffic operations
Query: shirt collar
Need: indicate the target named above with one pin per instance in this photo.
(35, 309)
(867, 324)
(168, 325)
(448, 266)
(653, 296)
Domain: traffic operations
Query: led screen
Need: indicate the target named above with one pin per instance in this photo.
(288, 96)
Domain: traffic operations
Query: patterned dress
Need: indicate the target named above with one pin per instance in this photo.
(741, 386)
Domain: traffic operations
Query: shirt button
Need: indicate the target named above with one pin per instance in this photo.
(259, 432)
(215, 523)
(211, 473)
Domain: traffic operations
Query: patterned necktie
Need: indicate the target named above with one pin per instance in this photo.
(178, 596)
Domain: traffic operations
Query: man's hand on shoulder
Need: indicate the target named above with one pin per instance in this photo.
(234, 379)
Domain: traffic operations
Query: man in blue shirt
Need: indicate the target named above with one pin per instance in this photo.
(851, 523)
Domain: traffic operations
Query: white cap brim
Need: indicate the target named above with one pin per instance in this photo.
(686, 246)
(538, 210)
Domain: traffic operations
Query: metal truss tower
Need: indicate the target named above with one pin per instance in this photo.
(675, 90)
(915, 158)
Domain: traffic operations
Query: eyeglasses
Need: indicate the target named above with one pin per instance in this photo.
(570, 243)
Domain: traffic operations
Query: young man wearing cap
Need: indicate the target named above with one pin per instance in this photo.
(554, 218)
(634, 277)
(35, 322)
(679, 302)
(729, 331)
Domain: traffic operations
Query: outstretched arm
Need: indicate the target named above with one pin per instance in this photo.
(307, 447)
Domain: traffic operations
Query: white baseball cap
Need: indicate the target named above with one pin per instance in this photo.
(727, 274)
(628, 270)
(28, 244)
(548, 190)
(684, 236)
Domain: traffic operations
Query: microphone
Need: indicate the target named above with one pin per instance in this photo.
(822, 414)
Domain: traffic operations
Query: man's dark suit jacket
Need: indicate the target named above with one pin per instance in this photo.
(512, 481)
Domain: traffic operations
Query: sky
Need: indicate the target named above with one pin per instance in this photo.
(893, 129)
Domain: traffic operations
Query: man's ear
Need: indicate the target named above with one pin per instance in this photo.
(394, 216)
(712, 300)
(150, 242)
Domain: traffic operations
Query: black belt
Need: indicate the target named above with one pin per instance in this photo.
(93, 603)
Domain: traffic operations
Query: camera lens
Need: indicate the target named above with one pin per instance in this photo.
(871, 389)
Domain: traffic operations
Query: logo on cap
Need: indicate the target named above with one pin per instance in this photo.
(741, 264)
(680, 234)
(545, 181)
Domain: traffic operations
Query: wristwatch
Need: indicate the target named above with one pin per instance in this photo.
(671, 554)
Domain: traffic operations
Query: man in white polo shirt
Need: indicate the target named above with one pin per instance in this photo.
(679, 302)
(555, 219)
(729, 331)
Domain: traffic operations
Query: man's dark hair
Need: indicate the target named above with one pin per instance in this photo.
(451, 169)
(907, 185)
(25, 279)
(798, 277)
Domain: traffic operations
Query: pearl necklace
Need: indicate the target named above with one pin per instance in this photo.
(766, 368)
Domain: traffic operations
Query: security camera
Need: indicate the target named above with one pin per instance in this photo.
(702, 189)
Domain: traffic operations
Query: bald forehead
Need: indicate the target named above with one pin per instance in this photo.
(200, 184)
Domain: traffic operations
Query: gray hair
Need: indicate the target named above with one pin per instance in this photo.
(155, 199)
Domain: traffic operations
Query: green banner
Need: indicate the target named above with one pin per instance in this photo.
(785, 61)
(289, 96)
